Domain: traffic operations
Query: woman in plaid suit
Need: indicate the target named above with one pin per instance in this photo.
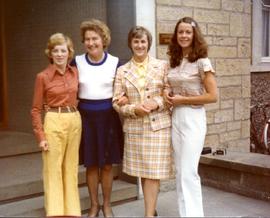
(147, 150)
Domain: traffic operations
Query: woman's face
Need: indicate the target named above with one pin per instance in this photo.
(93, 44)
(59, 55)
(185, 35)
(139, 47)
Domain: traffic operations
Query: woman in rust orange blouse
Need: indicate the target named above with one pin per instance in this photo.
(55, 94)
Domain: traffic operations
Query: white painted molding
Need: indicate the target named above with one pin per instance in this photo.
(146, 16)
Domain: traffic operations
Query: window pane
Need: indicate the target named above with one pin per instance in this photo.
(266, 28)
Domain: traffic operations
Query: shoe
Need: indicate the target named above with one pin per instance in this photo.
(107, 215)
(94, 215)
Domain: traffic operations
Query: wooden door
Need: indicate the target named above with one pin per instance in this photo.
(3, 74)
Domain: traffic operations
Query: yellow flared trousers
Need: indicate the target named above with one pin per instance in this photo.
(60, 164)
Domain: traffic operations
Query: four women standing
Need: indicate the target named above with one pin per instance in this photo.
(143, 92)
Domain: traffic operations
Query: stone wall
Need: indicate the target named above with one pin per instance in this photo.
(242, 173)
(226, 24)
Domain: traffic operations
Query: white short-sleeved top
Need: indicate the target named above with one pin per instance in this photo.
(187, 78)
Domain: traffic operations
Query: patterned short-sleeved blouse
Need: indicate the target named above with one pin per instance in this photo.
(187, 78)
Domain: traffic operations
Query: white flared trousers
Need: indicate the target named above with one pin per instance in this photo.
(188, 135)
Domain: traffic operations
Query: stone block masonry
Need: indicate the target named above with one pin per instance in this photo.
(226, 25)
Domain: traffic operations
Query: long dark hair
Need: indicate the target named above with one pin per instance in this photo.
(199, 45)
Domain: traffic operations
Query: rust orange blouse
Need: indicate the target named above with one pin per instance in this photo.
(53, 89)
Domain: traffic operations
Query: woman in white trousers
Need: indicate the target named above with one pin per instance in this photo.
(190, 84)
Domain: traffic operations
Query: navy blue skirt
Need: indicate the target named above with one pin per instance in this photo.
(102, 137)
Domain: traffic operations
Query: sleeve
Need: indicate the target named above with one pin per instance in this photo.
(37, 108)
(159, 99)
(127, 110)
(204, 65)
(167, 86)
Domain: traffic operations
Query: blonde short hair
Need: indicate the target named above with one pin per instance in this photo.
(59, 39)
(99, 27)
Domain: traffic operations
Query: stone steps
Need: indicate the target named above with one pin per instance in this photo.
(21, 186)
(17, 143)
(122, 192)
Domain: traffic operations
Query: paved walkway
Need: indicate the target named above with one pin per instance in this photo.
(216, 203)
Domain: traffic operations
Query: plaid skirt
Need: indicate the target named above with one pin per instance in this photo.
(149, 155)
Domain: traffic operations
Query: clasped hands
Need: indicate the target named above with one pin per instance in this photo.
(140, 109)
(146, 107)
(173, 100)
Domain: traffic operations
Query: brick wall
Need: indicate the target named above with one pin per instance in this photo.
(226, 25)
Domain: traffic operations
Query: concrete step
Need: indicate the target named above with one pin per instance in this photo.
(122, 192)
(17, 143)
(21, 186)
(21, 177)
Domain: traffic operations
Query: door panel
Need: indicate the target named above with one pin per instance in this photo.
(3, 83)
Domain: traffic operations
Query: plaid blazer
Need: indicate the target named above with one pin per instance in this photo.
(126, 83)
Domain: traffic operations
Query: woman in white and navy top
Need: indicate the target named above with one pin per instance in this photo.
(102, 138)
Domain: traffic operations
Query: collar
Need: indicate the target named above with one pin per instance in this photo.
(96, 63)
(141, 64)
(52, 70)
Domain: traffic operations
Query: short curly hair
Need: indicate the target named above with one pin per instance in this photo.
(59, 39)
(99, 27)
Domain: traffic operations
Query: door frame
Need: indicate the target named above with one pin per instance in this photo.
(4, 121)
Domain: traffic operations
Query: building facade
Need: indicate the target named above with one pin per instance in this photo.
(227, 27)
(226, 24)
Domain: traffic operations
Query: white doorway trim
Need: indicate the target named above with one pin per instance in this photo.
(146, 16)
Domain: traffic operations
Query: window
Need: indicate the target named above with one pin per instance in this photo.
(265, 29)
(261, 36)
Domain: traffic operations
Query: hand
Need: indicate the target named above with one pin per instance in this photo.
(44, 145)
(167, 97)
(150, 105)
(141, 111)
(122, 101)
(176, 100)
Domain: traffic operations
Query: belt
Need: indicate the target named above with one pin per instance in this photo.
(63, 109)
